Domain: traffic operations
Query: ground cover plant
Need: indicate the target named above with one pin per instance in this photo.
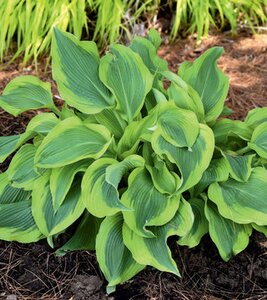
(30, 22)
(133, 161)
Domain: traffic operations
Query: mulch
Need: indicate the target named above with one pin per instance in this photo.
(33, 272)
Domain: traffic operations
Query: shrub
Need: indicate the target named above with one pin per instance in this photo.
(129, 162)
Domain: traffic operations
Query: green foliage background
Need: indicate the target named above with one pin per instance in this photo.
(30, 22)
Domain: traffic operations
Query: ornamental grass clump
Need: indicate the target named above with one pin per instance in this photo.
(129, 162)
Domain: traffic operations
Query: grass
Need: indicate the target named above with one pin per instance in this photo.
(30, 22)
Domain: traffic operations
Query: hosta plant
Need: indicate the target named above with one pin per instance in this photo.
(135, 155)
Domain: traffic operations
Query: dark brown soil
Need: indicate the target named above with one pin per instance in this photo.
(34, 272)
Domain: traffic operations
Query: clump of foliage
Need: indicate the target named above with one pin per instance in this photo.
(31, 22)
(130, 162)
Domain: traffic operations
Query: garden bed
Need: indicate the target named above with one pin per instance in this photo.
(33, 272)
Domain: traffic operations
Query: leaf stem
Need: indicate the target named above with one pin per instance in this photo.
(243, 150)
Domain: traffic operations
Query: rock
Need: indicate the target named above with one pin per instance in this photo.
(11, 297)
(87, 287)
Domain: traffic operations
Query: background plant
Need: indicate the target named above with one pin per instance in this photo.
(30, 22)
(130, 163)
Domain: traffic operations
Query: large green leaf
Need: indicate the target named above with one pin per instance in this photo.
(178, 126)
(242, 202)
(149, 206)
(24, 93)
(229, 237)
(262, 229)
(16, 220)
(17, 223)
(240, 167)
(225, 128)
(61, 180)
(218, 170)
(154, 37)
(115, 172)
(125, 74)
(84, 236)
(21, 169)
(115, 260)
(40, 124)
(112, 120)
(184, 95)
(148, 53)
(99, 196)
(191, 162)
(210, 83)
(134, 133)
(100, 184)
(256, 117)
(200, 225)
(70, 141)
(75, 67)
(164, 180)
(259, 140)
(9, 144)
(48, 221)
(155, 251)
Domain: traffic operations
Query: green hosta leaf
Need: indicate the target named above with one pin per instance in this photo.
(223, 129)
(149, 154)
(24, 93)
(154, 37)
(159, 96)
(16, 221)
(134, 133)
(262, 229)
(200, 226)
(218, 170)
(259, 140)
(256, 117)
(111, 119)
(242, 202)
(61, 180)
(229, 237)
(48, 221)
(115, 172)
(210, 83)
(21, 169)
(115, 260)
(40, 124)
(84, 237)
(100, 184)
(239, 166)
(184, 95)
(125, 74)
(4, 181)
(148, 53)
(179, 127)
(153, 98)
(75, 67)
(227, 111)
(191, 162)
(150, 207)
(10, 194)
(71, 141)
(163, 180)
(9, 144)
(155, 251)
(99, 196)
